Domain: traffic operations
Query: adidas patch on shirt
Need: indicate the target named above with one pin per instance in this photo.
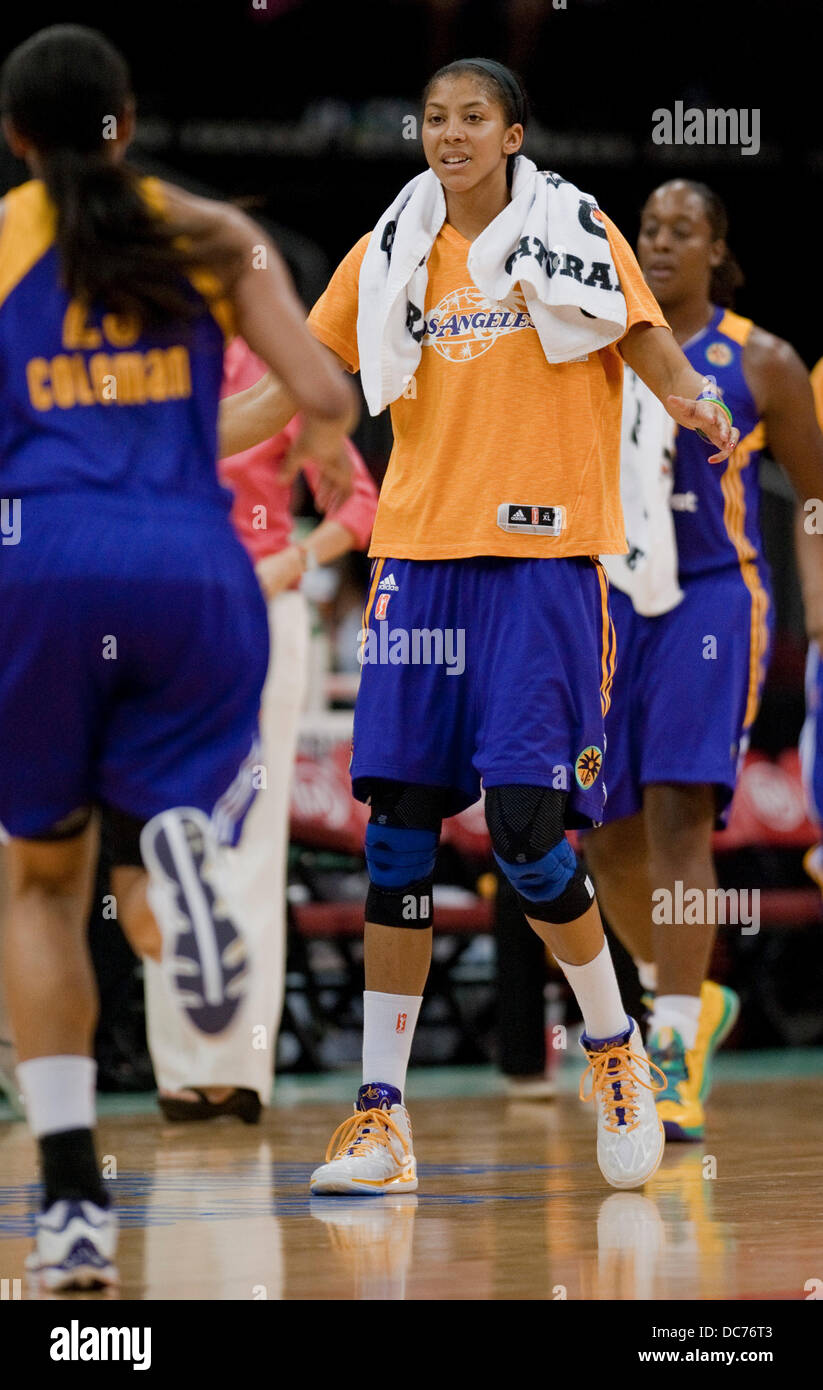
(529, 520)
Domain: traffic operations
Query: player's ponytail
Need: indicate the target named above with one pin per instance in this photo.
(64, 90)
(500, 83)
(727, 277)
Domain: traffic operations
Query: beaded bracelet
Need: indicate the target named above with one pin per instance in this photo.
(709, 393)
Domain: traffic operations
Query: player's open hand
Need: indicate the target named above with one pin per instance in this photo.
(323, 443)
(710, 419)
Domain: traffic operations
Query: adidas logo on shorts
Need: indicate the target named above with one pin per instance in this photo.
(388, 584)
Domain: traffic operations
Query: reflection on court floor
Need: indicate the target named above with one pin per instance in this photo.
(511, 1204)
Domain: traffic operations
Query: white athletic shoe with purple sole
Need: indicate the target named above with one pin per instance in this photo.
(75, 1248)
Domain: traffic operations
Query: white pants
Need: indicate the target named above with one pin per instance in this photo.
(245, 1055)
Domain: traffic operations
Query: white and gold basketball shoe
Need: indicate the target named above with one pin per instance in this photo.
(372, 1151)
(630, 1137)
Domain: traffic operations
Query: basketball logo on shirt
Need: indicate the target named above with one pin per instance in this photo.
(587, 767)
(719, 354)
(401, 1023)
(465, 324)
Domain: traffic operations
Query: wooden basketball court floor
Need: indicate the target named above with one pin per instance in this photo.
(511, 1204)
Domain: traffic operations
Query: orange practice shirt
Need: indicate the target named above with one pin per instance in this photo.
(487, 420)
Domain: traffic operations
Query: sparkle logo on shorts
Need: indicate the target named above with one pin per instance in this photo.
(381, 606)
(465, 324)
(719, 354)
(587, 767)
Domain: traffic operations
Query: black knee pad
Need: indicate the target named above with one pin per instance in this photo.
(407, 804)
(120, 837)
(525, 822)
(401, 848)
(529, 839)
(401, 907)
(575, 899)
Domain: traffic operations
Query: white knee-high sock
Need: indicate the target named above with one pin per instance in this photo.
(389, 1021)
(58, 1093)
(598, 994)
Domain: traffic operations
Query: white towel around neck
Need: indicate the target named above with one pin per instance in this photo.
(576, 309)
(648, 574)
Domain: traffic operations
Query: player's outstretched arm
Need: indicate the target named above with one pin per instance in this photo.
(272, 320)
(779, 382)
(248, 417)
(659, 362)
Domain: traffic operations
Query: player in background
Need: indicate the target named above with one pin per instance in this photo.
(688, 682)
(197, 1078)
(132, 627)
(502, 484)
(809, 553)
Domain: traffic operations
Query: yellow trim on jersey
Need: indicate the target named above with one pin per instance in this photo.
(608, 657)
(758, 639)
(204, 281)
(734, 326)
(28, 230)
(734, 518)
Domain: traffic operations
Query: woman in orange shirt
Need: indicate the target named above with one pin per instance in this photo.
(487, 647)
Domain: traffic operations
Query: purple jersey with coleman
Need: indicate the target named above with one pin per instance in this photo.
(133, 630)
(688, 683)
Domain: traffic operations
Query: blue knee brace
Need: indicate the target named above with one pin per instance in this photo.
(555, 888)
(543, 879)
(397, 856)
(400, 861)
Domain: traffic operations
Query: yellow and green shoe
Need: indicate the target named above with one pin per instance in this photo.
(679, 1105)
(719, 1008)
(688, 1071)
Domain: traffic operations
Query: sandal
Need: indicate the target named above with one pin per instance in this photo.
(243, 1103)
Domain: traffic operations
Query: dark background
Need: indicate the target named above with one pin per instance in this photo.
(298, 108)
(343, 73)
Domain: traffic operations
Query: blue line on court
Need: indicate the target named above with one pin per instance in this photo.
(246, 1191)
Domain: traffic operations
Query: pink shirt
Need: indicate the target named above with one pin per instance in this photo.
(252, 475)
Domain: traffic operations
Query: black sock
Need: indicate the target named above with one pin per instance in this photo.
(69, 1167)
